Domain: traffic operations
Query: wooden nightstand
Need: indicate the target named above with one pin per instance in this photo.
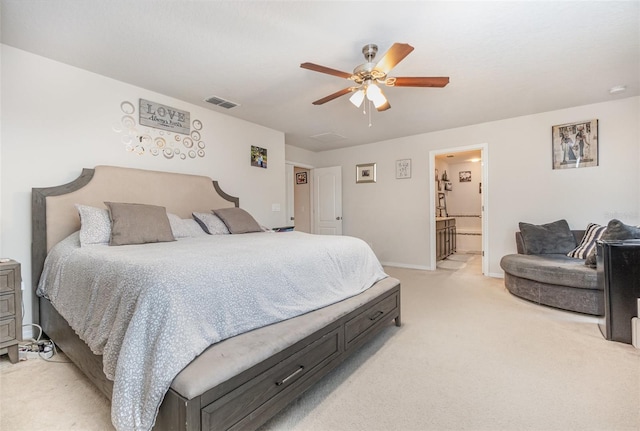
(10, 308)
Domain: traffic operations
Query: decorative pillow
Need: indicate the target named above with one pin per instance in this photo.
(138, 224)
(211, 223)
(95, 226)
(238, 220)
(588, 242)
(550, 238)
(616, 230)
(184, 228)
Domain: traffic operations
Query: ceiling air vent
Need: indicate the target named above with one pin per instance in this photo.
(223, 103)
(328, 138)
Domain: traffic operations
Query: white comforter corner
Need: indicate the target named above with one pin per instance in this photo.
(151, 309)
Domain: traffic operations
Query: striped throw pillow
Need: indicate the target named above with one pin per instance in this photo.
(588, 243)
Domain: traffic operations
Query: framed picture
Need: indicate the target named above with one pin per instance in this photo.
(301, 178)
(259, 157)
(403, 168)
(575, 145)
(448, 186)
(465, 176)
(366, 173)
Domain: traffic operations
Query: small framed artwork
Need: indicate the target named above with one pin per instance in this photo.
(448, 186)
(465, 176)
(301, 178)
(259, 157)
(575, 145)
(403, 168)
(366, 173)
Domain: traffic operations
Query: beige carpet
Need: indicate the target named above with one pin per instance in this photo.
(469, 356)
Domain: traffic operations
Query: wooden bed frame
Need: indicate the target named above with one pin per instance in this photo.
(242, 400)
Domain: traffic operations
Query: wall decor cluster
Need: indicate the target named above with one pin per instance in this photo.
(162, 131)
(258, 157)
(403, 168)
(366, 173)
(575, 145)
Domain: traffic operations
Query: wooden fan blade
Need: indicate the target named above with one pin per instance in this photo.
(384, 107)
(333, 96)
(393, 56)
(327, 70)
(421, 81)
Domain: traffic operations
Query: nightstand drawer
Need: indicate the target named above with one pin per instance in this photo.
(7, 280)
(7, 330)
(7, 305)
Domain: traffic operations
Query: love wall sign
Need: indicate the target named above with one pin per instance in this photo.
(164, 117)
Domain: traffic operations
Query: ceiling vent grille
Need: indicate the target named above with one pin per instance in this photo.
(219, 101)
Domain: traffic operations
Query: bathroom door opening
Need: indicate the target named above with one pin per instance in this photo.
(458, 207)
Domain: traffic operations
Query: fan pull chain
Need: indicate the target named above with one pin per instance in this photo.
(369, 113)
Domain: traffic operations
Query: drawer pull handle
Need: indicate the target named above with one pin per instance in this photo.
(375, 316)
(290, 376)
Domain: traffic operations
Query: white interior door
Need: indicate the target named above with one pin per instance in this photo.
(327, 196)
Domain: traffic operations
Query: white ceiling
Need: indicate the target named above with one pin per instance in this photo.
(504, 59)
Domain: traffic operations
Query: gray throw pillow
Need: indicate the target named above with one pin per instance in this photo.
(238, 220)
(550, 238)
(138, 224)
(616, 231)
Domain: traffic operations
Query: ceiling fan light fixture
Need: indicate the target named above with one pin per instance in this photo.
(357, 98)
(375, 95)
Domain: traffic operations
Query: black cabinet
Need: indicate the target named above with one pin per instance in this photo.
(619, 275)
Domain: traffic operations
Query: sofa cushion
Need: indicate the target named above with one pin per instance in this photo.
(588, 243)
(550, 238)
(558, 269)
(616, 231)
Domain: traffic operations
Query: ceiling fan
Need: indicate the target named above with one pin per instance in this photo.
(368, 75)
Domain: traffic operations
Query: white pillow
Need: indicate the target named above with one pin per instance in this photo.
(95, 225)
(185, 228)
(211, 223)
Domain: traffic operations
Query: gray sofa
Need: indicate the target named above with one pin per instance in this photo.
(553, 279)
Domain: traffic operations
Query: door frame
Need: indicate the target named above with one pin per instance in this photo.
(310, 179)
(484, 150)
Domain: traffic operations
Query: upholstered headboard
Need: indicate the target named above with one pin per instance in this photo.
(54, 215)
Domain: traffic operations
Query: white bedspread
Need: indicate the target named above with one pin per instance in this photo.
(151, 309)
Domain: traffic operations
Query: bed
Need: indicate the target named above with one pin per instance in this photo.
(238, 382)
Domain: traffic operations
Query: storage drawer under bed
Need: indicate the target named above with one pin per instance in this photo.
(237, 407)
(360, 325)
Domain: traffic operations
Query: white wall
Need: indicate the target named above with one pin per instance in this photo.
(300, 156)
(393, 215)
(58, 119)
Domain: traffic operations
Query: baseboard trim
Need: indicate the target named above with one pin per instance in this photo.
(406, 265)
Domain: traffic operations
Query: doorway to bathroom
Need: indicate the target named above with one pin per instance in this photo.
(458, 208)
